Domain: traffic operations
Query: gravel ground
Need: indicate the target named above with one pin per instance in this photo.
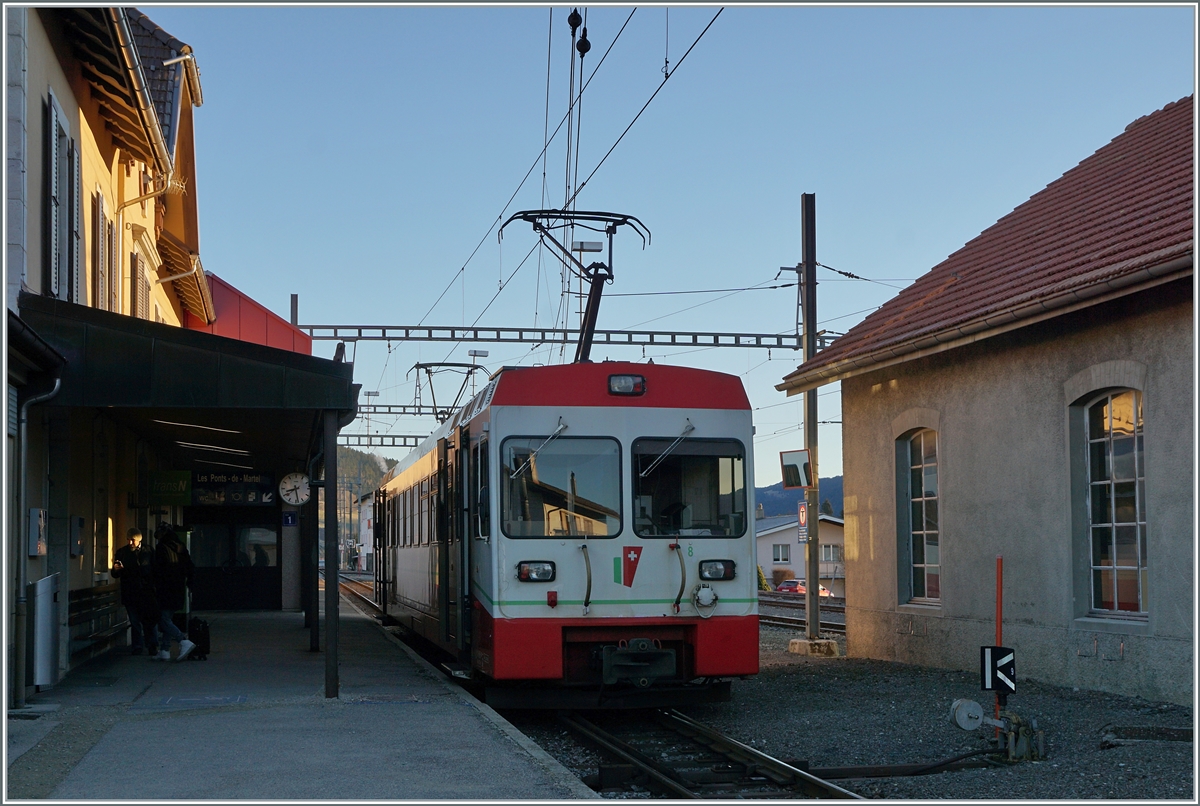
(843, 711)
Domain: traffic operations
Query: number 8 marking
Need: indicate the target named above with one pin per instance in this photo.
(689, 550)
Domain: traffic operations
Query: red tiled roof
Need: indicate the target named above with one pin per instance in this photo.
(1119, 220)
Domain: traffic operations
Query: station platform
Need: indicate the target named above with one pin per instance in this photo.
(252, 723)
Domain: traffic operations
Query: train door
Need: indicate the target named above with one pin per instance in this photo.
(381, 523)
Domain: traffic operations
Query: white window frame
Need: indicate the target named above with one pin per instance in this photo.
(781, 553)
(1115, 468)
(916, 564)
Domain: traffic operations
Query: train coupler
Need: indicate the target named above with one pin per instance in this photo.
(640, 661)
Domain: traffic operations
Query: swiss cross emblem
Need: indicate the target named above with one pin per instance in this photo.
(629, 564)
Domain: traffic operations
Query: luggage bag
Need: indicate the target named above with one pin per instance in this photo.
(198, 634)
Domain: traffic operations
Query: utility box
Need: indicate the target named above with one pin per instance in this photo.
(43, 617)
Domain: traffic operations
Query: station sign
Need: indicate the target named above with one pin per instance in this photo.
(246, 488)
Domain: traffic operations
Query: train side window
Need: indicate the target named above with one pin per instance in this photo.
(695, 488)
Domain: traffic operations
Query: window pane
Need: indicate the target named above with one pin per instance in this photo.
(933, 583)
(930, 482)
(1124, 467)
(929, 454)
(566, 487)
(931, 515)
(1141, 488)
(698, 489)
(1139, 411)
(1122, 414)
(1127, 591)
(1098, 459)
(918, 550)
(918, 582)
(1142, 530)
(1126, 502)
(931, 549)
(1127, 546)
(1098, 420)
(1145, 580)
(1102, 553)
(915, 524)
(1141, 461)
(1102, 590)
(1101, 504)
(914, 450)
(915, 482)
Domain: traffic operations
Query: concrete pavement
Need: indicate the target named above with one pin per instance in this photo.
(252, 722)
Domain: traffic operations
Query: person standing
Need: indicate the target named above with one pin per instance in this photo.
(133, 565)
(172, 576)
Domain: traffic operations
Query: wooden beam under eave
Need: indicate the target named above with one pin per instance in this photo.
(106, 86)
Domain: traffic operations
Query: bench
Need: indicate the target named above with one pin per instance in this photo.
(96, 620)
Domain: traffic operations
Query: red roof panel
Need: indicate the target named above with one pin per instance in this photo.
(1122, 211)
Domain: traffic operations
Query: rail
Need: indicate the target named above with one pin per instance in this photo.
(800, 624)
(740, 771)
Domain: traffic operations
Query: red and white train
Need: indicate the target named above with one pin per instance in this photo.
(581, 536)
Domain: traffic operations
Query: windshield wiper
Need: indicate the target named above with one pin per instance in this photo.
(561, 427)
(690, 428)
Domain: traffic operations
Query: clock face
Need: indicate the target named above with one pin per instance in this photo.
(294, 488)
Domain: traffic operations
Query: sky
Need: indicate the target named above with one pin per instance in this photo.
(362, 157)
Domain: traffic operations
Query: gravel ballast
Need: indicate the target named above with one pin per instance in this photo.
(835, 712)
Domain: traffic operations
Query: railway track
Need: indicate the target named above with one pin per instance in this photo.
(800, 624)
(678, 757)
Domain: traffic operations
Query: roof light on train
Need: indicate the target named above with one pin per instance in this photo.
(717, 569)
(535, 571)
(626, 385)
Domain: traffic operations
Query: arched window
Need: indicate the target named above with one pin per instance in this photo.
(917, 521)
(1116, 503)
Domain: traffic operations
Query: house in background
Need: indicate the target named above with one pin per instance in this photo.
(781, 556)
(1032, 396)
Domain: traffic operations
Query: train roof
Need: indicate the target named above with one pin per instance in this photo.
(665, 386)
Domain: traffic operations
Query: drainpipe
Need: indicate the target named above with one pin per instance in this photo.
(189, 273)
(141, 92)
(22, 562)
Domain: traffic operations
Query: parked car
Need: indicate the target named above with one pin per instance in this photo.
(796, 586)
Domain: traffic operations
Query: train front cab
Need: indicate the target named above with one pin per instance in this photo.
(618, 568)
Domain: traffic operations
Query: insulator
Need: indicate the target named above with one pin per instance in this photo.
(583, 45)
(574, 20)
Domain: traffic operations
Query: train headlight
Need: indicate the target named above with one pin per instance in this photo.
(535, 571)
(717, 569)
(626, 385)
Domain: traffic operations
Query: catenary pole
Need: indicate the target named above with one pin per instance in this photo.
(808, 236)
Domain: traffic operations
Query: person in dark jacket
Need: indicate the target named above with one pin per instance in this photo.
(172, 576)
(133, 565)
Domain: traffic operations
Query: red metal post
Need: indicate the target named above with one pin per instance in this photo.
(999, 617)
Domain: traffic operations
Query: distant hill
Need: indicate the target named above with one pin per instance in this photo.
(778, 501)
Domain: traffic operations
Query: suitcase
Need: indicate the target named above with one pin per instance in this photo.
(198, 634)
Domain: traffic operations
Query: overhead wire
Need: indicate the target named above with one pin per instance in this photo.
(582, 185)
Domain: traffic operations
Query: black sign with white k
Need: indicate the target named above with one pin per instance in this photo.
(997, 669)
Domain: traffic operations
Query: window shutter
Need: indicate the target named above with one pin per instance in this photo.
(12, 411)
(52, 199)
(114, 270)
(76, 224)
(101, 254)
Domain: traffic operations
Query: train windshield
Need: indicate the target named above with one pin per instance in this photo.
(690, 487)
(565, 487)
